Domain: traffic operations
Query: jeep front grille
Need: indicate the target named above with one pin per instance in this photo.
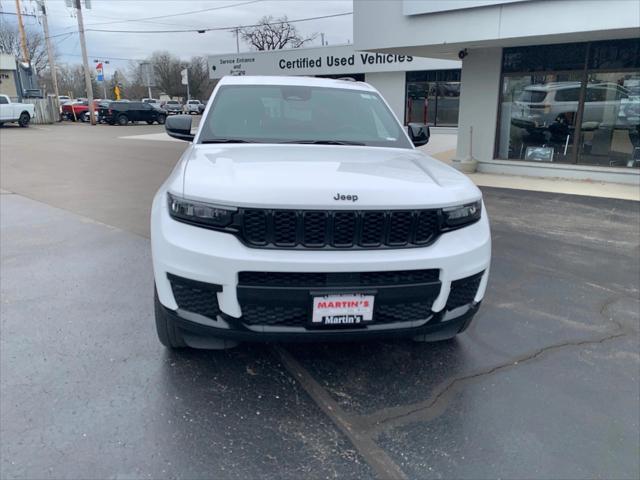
(337, 229)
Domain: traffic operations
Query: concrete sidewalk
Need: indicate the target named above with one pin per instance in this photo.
(442, 146)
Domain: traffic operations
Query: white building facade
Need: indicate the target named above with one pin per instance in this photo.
(548, 87)
(417, 89)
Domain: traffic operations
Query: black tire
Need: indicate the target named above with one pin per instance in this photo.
(161, 119)
(24, 119)
(149, 122)
(168, 333)
(84, 117)
(122, 120)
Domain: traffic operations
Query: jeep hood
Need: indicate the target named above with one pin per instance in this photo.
(310, 176)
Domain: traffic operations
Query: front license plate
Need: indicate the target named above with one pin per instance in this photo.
(342, 309)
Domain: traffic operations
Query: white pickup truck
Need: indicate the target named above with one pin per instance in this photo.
(15, 112)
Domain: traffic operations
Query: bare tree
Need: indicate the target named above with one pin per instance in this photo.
(200, 84)
(71, 80)
(167, 69)
(10, 43)
(132, 82)
(274, 34)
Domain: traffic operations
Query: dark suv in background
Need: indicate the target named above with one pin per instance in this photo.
(121, 113)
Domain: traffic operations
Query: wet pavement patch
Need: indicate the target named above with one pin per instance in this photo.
(88, 392)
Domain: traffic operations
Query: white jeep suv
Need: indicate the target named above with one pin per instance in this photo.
(301, 210)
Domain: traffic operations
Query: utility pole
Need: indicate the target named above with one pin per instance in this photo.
(52, 65)
(23, 37)
(85, 62)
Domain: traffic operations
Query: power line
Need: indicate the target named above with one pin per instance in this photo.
(103, 56)
(203, 30)
(211, 29)
(24, 14)
(68, 35)
(147, 19)
(178, 14)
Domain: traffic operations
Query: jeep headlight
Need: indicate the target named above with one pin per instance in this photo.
(460, 216)
(198, 213)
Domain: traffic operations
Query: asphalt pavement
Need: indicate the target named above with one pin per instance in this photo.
(545, 383)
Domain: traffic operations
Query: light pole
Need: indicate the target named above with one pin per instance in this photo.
(52, 65)
(85, 61)
(102, 73)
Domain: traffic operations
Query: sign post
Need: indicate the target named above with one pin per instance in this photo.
(148, 77)
(100, 75)
(185, 81)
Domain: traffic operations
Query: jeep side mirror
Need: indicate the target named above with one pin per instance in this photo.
(419, 133)
(179, 126)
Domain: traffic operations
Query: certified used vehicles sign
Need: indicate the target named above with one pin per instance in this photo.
(342, 309)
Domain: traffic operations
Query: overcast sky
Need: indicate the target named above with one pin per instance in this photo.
(119, 15)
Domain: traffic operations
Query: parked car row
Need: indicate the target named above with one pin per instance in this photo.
(176, 107)
(121, 112)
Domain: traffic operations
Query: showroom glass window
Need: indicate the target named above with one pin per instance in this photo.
(571, 103)
(433, 97)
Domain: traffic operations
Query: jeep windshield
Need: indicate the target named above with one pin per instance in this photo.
(301, 114)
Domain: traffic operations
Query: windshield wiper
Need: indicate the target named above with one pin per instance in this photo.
(226, 140)
(325, 142)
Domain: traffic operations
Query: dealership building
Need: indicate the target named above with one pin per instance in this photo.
(548, 87)
(417, 89)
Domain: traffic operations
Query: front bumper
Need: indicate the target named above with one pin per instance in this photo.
(217, 258)
(438, 326)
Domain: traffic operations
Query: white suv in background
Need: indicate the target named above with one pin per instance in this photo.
(303, 211)
(540, 106)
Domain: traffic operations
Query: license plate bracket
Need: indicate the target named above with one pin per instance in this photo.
(341, 309)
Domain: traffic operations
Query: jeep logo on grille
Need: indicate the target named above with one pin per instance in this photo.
(348, 198)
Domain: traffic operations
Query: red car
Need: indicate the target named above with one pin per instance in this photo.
(78, 110)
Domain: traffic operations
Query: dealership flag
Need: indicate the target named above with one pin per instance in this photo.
(185, 76)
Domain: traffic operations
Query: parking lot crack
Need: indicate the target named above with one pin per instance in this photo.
(437, 403)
